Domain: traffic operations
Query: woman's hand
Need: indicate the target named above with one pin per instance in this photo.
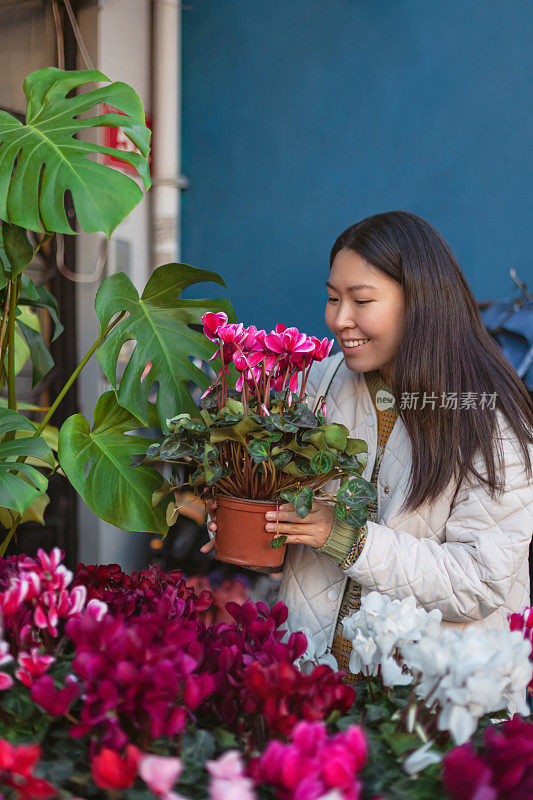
(313, 530)
(211, 508)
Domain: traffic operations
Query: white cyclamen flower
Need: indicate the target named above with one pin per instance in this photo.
(380, 627)
(471, 673)
(421, 758)
(316, 653)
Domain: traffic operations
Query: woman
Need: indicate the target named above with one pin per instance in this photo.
(449, 428)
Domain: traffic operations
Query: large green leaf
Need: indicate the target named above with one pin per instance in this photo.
(41, 160)
(159, 321)
(98, 464)
(18, 491)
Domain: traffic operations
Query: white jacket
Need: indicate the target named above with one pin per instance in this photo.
(469, 560)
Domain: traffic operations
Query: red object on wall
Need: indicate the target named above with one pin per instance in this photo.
(117, 139)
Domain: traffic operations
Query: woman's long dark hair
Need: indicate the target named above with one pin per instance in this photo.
(445, 348)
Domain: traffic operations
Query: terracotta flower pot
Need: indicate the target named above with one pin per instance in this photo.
(241, 536)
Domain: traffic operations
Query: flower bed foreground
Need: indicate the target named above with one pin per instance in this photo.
(116, 686)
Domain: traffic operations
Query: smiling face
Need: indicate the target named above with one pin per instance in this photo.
(364, 305)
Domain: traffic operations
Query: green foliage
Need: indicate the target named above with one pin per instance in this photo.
(98, 463)
(41, 160)
(159, 321)
(20, 483)
(281, 456)
(18, 251)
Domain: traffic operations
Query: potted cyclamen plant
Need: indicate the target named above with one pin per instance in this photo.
(260, 443)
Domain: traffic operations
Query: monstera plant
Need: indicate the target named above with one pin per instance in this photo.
(41, 163)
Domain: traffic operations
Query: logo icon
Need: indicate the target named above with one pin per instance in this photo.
(384, 400)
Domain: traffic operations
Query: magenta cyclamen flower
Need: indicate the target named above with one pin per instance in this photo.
(140, 675)
(32, 665)
(55, 702)
(289, 341)
(212, 323)
(313, 763)
(524, 622)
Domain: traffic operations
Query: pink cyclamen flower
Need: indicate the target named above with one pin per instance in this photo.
(160, 773)
(246, 363)
(322, 348)
(228, 778)
(32, 665)
(55, 702)
(96, 609)
(289, 341)
(212, 324)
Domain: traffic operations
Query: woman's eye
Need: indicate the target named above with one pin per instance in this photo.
(362, 302)
(332, 300)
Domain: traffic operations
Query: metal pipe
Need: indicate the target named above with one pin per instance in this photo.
(166, 143)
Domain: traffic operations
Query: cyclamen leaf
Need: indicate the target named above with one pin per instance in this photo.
(336, 436)
(340, 511)
(357, 517)
(278, 541)
(303, 417)
(302, 500)
(322, 462)
(258, 450)
(281, 459)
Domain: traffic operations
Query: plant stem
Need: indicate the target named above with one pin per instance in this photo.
(224, 380)
(3, 344)
(9, 536)
(75, 374)
(13, 297)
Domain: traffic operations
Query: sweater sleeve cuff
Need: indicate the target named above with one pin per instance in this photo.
(342, 544)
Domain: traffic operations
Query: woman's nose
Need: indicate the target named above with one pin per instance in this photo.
(345, 318)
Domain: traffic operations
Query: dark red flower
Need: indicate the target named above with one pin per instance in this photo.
(502, 770)
(284, 695)
(466, 775)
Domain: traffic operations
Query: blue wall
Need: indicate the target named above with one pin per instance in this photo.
(301, 117)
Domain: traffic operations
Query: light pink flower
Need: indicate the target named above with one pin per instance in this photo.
(160, 773)
(228, 778)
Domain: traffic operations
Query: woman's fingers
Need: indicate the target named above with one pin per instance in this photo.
(208, 546)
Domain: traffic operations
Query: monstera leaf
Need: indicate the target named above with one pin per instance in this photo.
(18, 491)
(159, 321)
(41, 160)
(98, 464)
